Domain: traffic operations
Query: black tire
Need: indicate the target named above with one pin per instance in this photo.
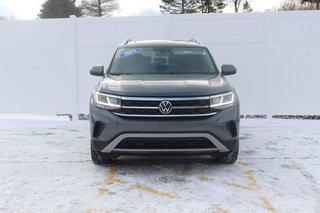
(100, 158)
(231, 157)
(97, 158)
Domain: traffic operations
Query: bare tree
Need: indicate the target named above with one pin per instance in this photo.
(312, 2)
(246, 7)
(236, 4)
(99, 8)
(292, 5)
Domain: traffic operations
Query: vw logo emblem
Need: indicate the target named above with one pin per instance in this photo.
(165, 107)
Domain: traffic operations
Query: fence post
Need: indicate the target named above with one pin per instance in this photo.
(267, 55)
(73, 57)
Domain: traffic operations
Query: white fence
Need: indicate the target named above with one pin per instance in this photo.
(44, 63)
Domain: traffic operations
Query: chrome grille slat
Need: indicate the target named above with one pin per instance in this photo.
(165, 98)
(191, 107)
(138, 107)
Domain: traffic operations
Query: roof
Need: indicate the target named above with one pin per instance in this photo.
(148, 43)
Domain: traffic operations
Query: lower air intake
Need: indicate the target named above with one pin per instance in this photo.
(97, 129)
(165, 143)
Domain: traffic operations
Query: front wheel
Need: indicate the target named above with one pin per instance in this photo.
(231, 157)
(97, 158)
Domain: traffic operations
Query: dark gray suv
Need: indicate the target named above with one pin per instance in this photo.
(164, 97)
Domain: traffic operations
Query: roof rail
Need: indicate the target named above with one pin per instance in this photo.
(126, 41)
(194, 40)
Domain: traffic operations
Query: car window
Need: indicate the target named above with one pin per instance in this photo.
(162, 60)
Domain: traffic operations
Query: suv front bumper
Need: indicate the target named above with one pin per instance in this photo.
(113, 129)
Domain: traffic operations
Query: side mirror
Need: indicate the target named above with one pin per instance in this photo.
(97, 70)
(228, 69)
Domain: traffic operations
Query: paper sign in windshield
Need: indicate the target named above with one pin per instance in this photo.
(130, 52)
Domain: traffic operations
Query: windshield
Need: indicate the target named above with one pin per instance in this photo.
(162, 60)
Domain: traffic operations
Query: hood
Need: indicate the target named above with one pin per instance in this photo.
(160, 85)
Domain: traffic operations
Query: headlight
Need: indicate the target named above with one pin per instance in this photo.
(222, 101)
(107, 101)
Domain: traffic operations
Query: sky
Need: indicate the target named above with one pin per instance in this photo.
(29, 9)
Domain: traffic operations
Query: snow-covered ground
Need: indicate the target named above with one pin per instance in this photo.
(45, 167)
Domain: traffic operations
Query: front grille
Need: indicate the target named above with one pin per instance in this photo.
(157, 112)
(165, 143)
(177, 103)
(149, 107)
